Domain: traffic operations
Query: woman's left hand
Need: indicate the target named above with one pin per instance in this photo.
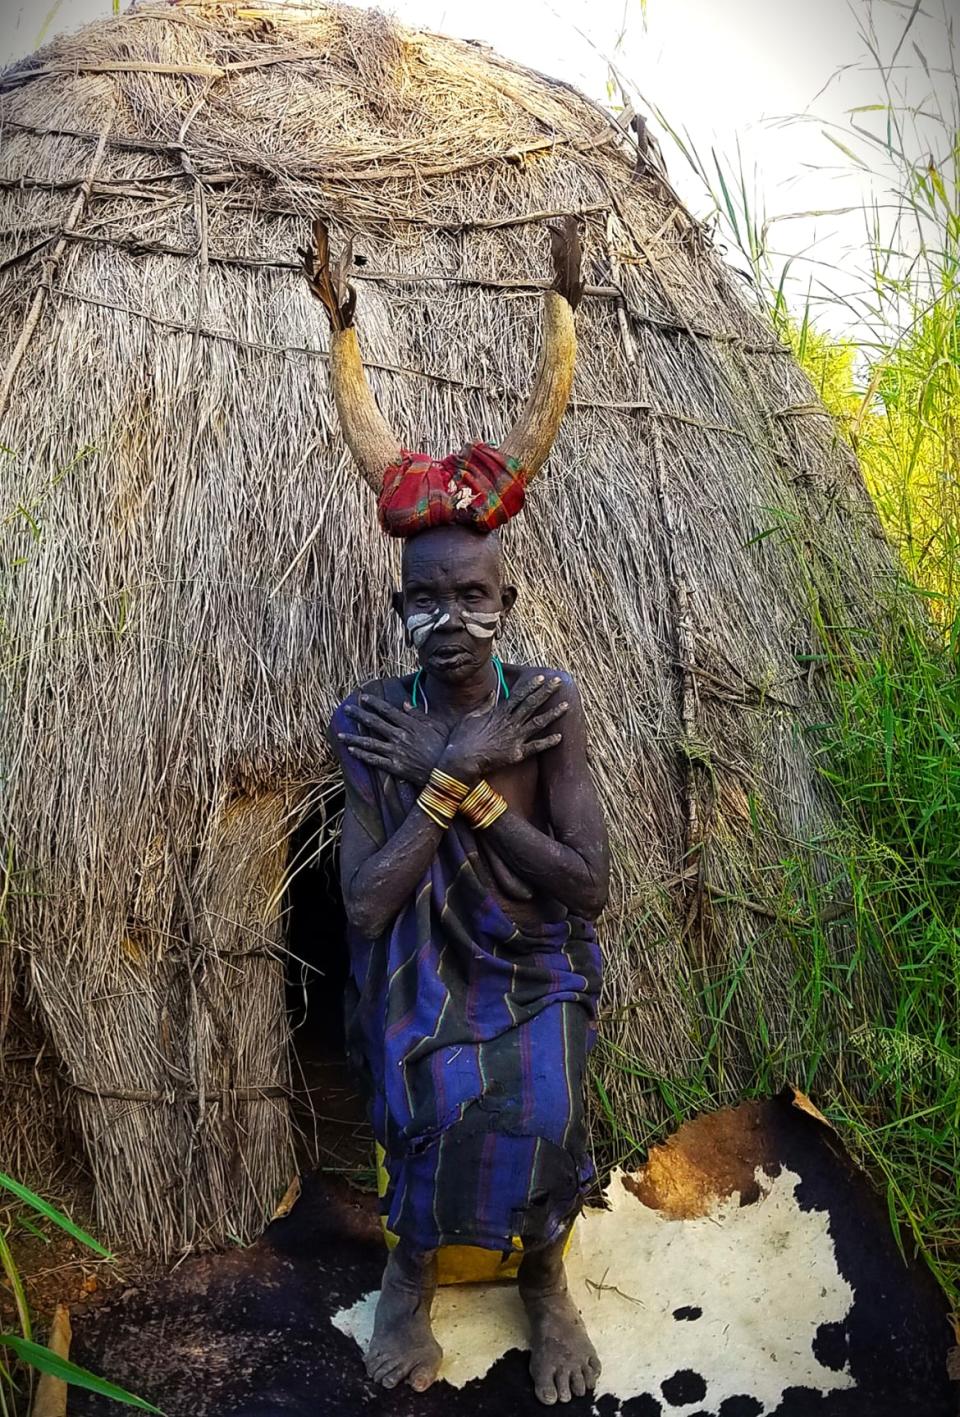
(403, 742)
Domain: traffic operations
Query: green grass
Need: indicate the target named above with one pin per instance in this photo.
(894, 759)
(25, 1356)
(891, 1085)
(890, 1079)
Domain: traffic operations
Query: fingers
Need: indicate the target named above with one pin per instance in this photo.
(551, 715)
(355, 740)
(540, 745)
(373, 721)
(374, 760)
(381, 708)
(521, 692)
(539, 696)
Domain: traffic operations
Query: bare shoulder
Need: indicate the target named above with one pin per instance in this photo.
(519, 674)
(393, 690)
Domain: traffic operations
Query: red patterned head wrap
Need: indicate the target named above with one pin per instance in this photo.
(478, 488)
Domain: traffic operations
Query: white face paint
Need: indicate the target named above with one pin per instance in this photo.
(483, 625)
(421, 626)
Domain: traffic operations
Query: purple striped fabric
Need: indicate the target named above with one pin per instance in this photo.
(472, 1037)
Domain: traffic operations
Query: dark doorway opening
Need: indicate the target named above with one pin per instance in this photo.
(329, 1112)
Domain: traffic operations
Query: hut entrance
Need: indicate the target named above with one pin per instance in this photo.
(328, 1110)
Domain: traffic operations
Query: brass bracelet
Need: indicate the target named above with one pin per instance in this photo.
(474, 804)
(449, 786)
(496, 810)
(441, 796)
(483, 805)
(438, 809)
(440, 800)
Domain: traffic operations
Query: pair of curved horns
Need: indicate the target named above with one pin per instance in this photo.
(374, 445)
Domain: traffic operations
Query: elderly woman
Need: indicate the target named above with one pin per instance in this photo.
(474, 859)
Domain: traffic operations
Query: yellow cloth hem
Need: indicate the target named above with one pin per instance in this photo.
(460, 1264)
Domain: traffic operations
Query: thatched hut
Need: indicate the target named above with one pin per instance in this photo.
(193, 575)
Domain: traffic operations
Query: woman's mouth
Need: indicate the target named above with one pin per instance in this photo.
(449, 655)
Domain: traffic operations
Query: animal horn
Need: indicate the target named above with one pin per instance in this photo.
(368, 435)
(531, 437)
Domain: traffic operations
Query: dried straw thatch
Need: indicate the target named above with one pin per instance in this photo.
(193, 574)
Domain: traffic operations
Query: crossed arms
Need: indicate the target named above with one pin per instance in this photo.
(570, 864)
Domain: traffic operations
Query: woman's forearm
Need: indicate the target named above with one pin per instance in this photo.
(379, 888)
(548, 865)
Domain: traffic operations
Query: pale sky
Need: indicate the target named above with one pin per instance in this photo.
(721, 71)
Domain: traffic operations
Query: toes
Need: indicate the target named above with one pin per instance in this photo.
(563, 1384)
(389, 1372)
(422, 1377)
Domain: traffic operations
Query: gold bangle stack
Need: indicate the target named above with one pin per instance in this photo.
(483, 805)
(441, 797)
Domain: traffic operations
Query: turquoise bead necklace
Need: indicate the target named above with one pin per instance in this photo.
(502, 686)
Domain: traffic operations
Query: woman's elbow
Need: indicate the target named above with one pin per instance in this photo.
(592, 904)
(587, 901)
(363, 915)
(592, 897)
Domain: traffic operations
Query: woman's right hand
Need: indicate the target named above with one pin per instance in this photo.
(513, 731)
(404, 743)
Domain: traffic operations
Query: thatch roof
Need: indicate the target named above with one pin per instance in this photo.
(193, 574)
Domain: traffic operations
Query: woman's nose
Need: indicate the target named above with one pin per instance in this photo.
(450, 617)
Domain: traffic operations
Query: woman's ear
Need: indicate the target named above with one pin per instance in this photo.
(396, 600)
(508, 598)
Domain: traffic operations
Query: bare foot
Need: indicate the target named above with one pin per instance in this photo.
(403, 1345)
(563, 1361)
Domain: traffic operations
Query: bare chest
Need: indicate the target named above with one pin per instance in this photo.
(520, 785)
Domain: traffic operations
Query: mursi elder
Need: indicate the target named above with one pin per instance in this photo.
(474, 858)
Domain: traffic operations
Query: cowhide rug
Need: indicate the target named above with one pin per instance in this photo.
(747, 1270)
